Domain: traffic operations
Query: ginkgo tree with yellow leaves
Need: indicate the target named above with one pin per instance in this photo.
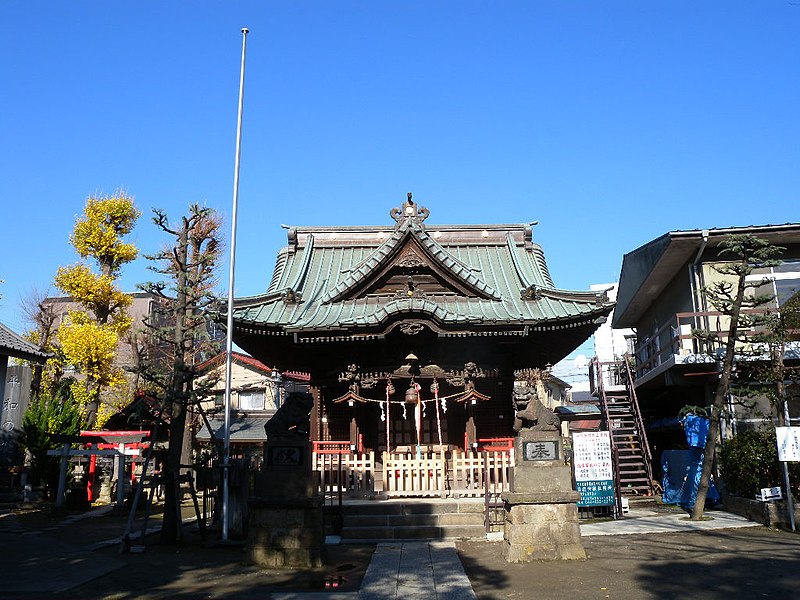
(89, 336)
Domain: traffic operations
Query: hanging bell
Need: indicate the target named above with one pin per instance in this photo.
(411, 394)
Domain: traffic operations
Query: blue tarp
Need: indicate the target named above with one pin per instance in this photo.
(682, 469)
(696, 429)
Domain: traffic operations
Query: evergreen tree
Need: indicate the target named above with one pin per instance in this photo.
(49, 413)
(729, 295)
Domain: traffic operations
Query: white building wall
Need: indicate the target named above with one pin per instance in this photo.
(607, 344)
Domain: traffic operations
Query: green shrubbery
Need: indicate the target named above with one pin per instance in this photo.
(54, 412)
(749, 462)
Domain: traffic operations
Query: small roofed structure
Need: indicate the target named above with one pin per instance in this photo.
(14, 404)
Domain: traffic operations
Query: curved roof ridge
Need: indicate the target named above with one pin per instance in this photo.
(403, 305)
(302, 272)
(390, 246)
(277, 273)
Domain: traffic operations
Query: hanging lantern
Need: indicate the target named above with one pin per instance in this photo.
(411, 393)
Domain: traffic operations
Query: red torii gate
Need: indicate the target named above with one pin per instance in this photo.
(122, 445)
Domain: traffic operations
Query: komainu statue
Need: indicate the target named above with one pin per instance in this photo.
(530, 412)
(292, 419)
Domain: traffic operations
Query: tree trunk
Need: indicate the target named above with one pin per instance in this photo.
(718, 405)
(178, 398)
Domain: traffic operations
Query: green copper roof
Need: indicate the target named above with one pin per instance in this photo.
(492, 276)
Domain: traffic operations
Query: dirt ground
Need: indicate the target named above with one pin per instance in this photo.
(752, 562)
(195, 571)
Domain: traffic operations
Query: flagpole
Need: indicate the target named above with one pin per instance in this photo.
(226, 451)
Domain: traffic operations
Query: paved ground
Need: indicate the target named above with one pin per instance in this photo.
(651, 554)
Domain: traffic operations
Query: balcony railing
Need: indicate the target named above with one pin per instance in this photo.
(678, 337)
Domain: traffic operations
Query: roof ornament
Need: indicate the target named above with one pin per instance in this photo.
(409, 211)
(290, 296)
(532, 292)
(466, 377)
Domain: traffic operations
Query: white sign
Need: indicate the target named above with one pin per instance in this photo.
(773, 493)
(592, 455)
(788, 443)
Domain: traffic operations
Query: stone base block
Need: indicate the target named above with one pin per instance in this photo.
(286, 537)
(542, 532)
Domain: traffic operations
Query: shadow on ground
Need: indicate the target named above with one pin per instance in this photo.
(731, 563)
(55, 556)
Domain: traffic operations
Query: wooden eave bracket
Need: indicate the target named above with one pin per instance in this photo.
(350, 396)
(470, 395)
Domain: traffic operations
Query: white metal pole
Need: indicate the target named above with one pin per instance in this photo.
(226, 454)
(785, 465)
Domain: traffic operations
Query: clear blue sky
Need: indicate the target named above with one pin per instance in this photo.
(608, 122)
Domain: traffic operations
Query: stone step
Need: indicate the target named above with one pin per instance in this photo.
(353, 535)
(409, 508)
(351, 520)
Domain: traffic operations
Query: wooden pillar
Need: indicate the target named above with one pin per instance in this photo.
(472, 434)
(354, 426)
(315, 433)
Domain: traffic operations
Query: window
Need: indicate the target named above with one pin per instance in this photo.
(782, 282)
(251, 400)
(219, 399)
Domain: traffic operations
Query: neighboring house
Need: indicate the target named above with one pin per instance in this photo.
(134, 344)
(143, 307)
(611, 343)
(14, 390)
(660, 297)
(257, 391)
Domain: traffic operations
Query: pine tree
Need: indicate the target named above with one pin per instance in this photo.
(729, 295)
(49, 413)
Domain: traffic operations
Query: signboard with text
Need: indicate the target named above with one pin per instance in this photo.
(594, 477)
(788, 443)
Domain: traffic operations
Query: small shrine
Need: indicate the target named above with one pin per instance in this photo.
(423, 343)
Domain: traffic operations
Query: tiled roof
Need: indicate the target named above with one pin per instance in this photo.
(238, 357)
(14, 345)
(245, 359)
(242, 429)
(326, 271)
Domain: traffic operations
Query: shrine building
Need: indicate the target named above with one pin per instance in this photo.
(414, 334)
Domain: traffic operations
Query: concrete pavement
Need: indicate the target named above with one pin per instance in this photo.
(642, 520)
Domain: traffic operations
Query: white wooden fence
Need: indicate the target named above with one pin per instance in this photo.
(473, 471)
(465, 474)
(351, 473)
(406, 474)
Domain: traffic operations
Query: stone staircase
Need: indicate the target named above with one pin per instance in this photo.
(396, 520)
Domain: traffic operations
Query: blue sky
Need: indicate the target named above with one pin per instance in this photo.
(609, 122)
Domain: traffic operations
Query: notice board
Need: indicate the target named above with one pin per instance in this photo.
(594, 477)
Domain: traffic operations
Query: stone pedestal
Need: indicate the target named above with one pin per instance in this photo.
(286, 527)
(541, 516)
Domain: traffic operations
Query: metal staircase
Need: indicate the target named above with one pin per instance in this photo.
(612, 383)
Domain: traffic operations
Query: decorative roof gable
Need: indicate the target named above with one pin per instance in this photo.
(413, 258)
